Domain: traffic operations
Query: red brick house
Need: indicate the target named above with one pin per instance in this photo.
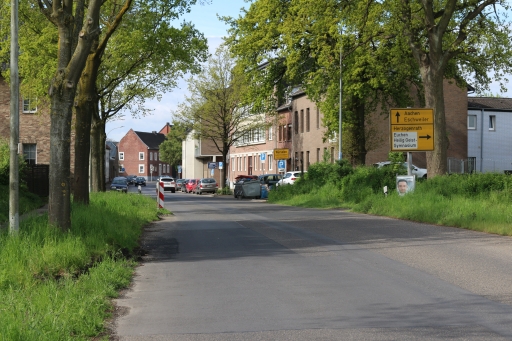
(139, 155)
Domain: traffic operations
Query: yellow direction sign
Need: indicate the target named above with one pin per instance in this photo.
(412, 129)
(281, 154)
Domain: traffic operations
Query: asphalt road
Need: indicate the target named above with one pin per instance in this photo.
(226, 269)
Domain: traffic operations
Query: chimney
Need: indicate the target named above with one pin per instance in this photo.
(154, 132)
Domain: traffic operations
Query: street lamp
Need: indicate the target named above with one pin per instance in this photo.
(106, 135)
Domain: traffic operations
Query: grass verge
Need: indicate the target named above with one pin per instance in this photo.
(58, 286)
(479, 202)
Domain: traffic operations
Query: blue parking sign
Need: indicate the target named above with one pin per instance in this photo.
(263, 157)
(281, 165)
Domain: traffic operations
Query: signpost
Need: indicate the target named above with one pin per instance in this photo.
(412, 129)
(212, 165)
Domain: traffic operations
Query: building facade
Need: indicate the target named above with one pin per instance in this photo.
(138, 154)
(489, 140)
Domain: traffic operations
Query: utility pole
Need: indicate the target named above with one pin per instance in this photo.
(340, 154)
(14, 219)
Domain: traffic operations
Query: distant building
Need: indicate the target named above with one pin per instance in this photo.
(139, 154)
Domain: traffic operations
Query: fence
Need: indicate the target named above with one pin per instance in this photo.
(472, 165)
(37, 178)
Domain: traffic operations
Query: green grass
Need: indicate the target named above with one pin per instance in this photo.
(58, 286)
(480, 202)
(27, 202)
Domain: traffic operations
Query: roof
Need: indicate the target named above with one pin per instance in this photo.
(152, 140)
(489, 103)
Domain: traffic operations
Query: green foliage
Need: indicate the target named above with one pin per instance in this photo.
(27, 202)
(5, 157)
(56, 285)
(475, 201)
(171, 148)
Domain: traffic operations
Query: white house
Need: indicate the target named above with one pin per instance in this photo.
(490, 134)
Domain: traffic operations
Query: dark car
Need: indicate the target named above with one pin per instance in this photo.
(140, 180)
(270, 179)
(131, 179)
(206, 185)
(119, 184)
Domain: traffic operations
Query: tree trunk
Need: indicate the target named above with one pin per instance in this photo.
(59, 201)
(97, 155)
(86, 105)
(434, 98)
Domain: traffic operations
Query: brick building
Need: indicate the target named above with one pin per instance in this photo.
(34, 132)
(138, 154)
(298, 128)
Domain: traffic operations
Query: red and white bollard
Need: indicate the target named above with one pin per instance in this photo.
(160, 194)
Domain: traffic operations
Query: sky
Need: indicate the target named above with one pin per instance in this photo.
(204, 17)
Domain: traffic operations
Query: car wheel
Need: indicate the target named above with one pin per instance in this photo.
(174, 191)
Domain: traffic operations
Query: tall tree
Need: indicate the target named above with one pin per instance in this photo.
(300, 41)
(171, 148)
(136, 59)
(218, 108)
(450, 38)
(77, 23)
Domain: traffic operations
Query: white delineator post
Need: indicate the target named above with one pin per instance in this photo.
(160, 195)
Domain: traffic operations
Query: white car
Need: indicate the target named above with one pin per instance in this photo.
(419, 172)
(289, 178)
(169, 183)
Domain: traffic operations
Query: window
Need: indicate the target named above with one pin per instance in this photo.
(296, 122)
(302, 120)
(318, 155)
(317, 118)
(280, 138)
(269, 156)
(307, 159)
(232, 163)
(151, 156)
(121, 156)
(270, 133)
(156, 156)
(29, 153)
(307, 120)
(472, 122)
(29, 104)
(141, 155)
(141, 169)
(289, 133)
(492, 122)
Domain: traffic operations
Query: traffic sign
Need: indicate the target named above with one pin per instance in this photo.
(281, 165)
(412, 129)
(281, 154)
(221, 165)
(263, 156)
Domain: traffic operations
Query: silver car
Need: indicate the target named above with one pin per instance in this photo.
(206, 185)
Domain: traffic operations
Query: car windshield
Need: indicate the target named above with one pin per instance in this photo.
(287, 175)
(209, 181)
(118, 181)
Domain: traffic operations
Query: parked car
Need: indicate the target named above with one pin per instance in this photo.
(119, 184)
(140, 180)
(131, 179)
(190, 185)
(289, 178)
(169, 183)
(182, 187)
(206, 185)
(419, 172)
(270, 179)
(178, 184)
